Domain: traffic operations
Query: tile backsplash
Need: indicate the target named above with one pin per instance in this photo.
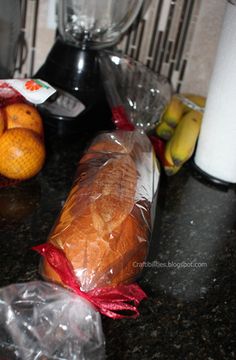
(176, 38)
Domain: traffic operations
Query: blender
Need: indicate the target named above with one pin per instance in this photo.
(85, 27)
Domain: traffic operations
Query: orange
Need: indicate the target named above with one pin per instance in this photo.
(21, 115)
(22, 154)
(2, 122)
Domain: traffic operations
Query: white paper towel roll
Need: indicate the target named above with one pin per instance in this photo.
(216, 149)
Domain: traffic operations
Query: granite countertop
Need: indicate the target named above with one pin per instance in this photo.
(190, 275)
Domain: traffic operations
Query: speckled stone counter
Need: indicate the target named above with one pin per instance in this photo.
(190, 275)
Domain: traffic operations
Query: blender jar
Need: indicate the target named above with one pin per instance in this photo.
(95, 24)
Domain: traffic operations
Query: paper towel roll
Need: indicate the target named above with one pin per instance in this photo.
(216, 149)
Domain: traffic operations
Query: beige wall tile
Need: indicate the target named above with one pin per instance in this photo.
(45, 35)
(203, 47)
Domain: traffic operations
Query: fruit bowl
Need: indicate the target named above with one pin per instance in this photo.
(144, 93)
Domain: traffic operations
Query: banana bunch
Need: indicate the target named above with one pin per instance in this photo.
(179, 127)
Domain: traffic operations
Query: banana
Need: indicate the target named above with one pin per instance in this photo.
(164, 131)
(180, 126)
(173, 112)
(167, 154)
(171, 170)
(185, 137)
(169, 166)
(196, 99)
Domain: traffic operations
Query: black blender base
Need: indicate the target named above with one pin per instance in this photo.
(77, 73)
(97, 118)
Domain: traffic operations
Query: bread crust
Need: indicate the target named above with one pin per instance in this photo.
(102, 228)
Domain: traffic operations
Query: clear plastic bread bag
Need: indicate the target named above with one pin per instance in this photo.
(105, 225)
(97, 248)
(42, 321)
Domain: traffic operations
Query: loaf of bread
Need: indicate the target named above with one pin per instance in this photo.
(105, 224)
